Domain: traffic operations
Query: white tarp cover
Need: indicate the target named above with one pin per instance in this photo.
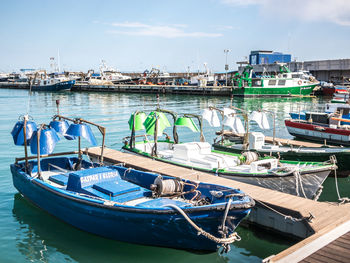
(212, 117)
(261, 119)
(235, 124)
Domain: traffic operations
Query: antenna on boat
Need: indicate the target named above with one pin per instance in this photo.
(58, 60)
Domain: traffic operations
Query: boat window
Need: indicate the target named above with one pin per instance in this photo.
(272, 82)
(256, 82)
(284, 76)
(295, 76)
(282, 82)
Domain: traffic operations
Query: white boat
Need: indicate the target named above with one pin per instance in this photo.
(110, 74)
(204, 80)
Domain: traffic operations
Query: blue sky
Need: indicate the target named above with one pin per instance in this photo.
(172, 35)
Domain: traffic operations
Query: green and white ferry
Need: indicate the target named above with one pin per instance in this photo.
(285, 83)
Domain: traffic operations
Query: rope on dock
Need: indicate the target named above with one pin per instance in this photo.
(281, 214)
(223, 241)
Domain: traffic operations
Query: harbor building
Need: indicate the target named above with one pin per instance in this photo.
(259, 57)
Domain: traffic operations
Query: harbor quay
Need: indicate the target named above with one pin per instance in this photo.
(130, 88)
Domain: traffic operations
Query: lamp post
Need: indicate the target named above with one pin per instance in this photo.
(226, 65)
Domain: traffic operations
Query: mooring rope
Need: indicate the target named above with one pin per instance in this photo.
(299, 181)
(281, 214)
(224, 241)
(342, 200)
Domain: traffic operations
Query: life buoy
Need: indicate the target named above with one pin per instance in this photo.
(299, 82)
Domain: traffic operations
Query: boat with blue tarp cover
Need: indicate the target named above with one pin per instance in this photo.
(53, 84)
(118, 202)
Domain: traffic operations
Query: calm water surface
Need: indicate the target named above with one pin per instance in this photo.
(28, 234)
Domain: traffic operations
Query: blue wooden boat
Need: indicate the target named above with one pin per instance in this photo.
(122, 203)
(53, 85)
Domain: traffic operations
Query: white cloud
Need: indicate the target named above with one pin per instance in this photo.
(335, 11)
(129, 24)
(166, 31)
(225, 27)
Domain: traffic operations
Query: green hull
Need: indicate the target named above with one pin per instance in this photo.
(273, 91)
(343, 157)
(339, 101)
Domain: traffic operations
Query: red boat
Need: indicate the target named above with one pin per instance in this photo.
(330, 90)
(330, 133)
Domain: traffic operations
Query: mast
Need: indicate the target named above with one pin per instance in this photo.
(58, 60)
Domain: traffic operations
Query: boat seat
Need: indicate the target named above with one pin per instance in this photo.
(79, 180)
(116, 188)
(105, 182)
(61, 179)
(166, 154)
(186, 151)
(263, 165)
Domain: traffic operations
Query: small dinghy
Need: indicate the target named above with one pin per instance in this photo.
(122, 203)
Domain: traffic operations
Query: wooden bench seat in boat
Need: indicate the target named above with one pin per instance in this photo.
(61, 179)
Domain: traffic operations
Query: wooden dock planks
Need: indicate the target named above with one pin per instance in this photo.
(336, 251)
(327, 217)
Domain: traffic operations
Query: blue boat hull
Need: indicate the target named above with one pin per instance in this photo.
(66, 85)
(129, 224)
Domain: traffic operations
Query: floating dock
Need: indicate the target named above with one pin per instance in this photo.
(321, 225)
(129, 88)
(165, 89)
(14, 85)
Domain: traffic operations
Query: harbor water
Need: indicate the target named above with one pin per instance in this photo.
(29, 234)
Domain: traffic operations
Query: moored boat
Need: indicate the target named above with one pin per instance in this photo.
(286, 83)
(320, 131)
(118, 202)
(52, 84)
(288, 152)
(285, 176)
